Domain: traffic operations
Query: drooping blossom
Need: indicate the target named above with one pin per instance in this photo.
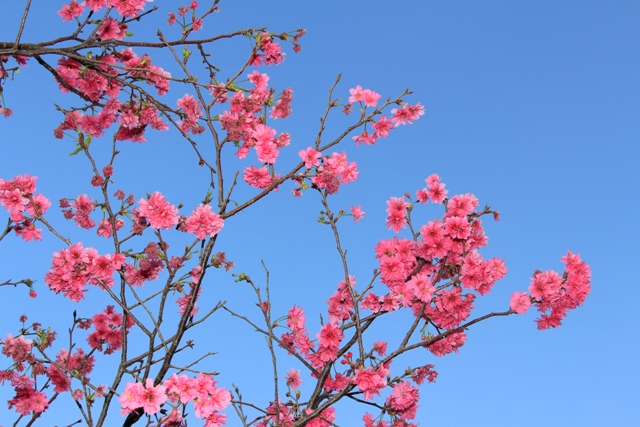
(357, 213)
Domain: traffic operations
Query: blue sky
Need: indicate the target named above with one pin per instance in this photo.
(534, 107)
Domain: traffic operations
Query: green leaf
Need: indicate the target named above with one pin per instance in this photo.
(76, 151)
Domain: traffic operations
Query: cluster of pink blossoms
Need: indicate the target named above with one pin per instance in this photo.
(329, 339)
(148, 397)
(554, 295)
(72, 269)
(161, 214)
(182, 12)
(158, 212)
(24, 207)
(79, 363)
(269, 52)
(403, 400)
(330, 171)
(371, 380)
(126, 8)
(112, 29)
(101, 84)
(108, 330)
(192, 112)
(340, 304)
(246, 127)
(282, 415)
(79, 210)
(400, 116)
(203, 222)
(66, 368)
(207, 397)
(447, 247)
(27, 399)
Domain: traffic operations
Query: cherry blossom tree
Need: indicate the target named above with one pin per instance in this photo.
(152, 280)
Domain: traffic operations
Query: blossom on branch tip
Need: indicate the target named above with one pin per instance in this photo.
(407, 114)
(71, 10)
(293, 378)
(520, 302)
(357, 213)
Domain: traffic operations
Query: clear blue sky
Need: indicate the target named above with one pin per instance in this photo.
(534, 107)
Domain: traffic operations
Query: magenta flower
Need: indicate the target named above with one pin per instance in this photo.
(159, 212)
(202, 222)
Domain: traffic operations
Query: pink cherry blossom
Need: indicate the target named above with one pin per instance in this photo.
(370, 382)
(370, 98)
(257, 177)
(310, 157)
(520, 302)
(260, 81)
(71, 10)
(357, 213)
(112, 29)
(159, 212)
(293, 379)
(356, 94)
(203, 222)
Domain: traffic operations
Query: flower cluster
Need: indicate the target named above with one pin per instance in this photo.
(146, 267)
(371, 380)
(147, 396)
(192, 112)
(72, 268)
(268, 51)
(207, 397)
(447, 249)
(102, 83)
(112, 29)
(24, 207)
(24, 370)
(328, 172)
(27, 398)
(158, 212)
(203, 222)
(554, 295)
(108, 330)
(79, 210)
(368, 98)
(404, 400)
(77, 365)
(126, 8)
(341, 303)
(245, 126)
